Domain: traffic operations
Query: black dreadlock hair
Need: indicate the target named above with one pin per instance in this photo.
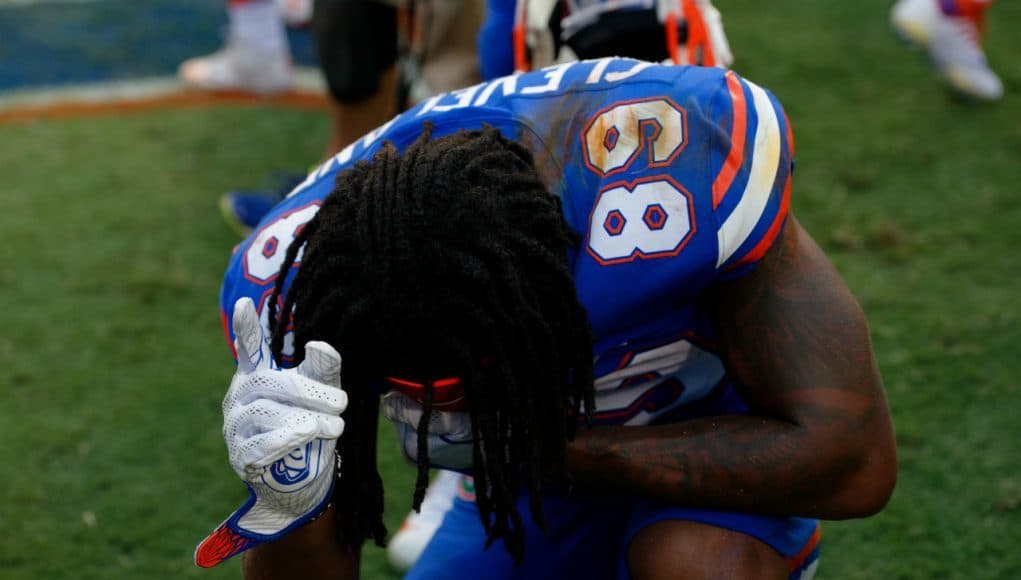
(450, 258)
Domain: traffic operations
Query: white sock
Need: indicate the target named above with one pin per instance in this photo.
(258, 23)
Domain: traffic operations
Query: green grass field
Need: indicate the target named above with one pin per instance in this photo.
(112, 363)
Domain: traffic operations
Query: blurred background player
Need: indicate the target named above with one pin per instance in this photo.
(255, 58)
(377, 57)
(950, 31)
(522, 35)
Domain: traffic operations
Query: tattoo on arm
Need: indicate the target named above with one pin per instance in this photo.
(795, 339)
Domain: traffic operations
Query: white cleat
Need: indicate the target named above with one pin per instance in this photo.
(914, 20)
(240, 68)
(418, 528)
(953, 44)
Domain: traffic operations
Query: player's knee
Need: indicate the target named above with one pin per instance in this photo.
(675, 549)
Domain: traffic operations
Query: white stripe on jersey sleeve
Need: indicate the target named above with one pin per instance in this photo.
(665, 359)
(765, 159)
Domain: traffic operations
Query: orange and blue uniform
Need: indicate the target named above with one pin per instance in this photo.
(676, 179)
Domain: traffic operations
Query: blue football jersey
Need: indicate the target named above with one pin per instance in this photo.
(675, 178)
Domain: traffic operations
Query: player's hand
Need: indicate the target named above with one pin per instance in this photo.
(281, 429)
(450, 433)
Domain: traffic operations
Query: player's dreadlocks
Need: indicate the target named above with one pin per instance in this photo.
(450, 259)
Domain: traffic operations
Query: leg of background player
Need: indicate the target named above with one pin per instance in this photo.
(350, 120)
(256, 57)
(418, 528)
(356, 41)
(445, 45)
(356, 44)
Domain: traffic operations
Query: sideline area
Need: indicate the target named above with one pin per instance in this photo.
(67, 58)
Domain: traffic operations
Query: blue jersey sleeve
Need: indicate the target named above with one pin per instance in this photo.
(256, 263)
(751, 163)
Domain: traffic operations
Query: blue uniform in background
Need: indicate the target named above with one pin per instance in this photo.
(676, 179)
(495, 43)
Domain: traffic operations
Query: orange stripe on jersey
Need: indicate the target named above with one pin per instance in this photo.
(767, 240)
(737, 137)
(796, 561)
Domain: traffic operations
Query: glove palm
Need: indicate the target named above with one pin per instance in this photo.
(281, 429)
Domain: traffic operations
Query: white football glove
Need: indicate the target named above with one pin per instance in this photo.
(450, 433)
(281, 429)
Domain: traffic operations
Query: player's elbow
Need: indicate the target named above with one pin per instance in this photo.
(872, 486)
(867, 484)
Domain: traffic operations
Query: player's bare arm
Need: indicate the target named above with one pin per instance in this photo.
(282, 427)
(819, 441)
(314, 551)
(311, 551)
